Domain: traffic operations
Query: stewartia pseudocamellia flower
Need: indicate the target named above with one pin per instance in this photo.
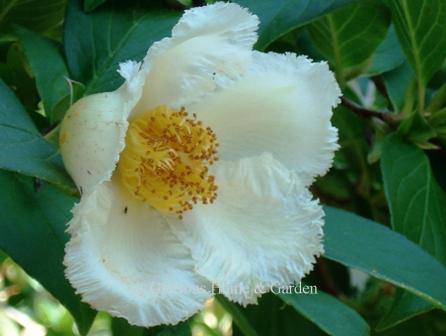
(196, 172)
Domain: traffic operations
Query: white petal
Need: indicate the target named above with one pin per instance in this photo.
(236, 23)
(130, 71)
(122, 258)
(283, 106)
(264, 229)
(92, 133)
(210, 46)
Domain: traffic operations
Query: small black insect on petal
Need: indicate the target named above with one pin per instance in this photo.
(126, 209)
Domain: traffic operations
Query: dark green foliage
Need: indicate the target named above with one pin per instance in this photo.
(388, 176)
(32, 224)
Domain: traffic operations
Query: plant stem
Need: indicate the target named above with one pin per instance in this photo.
(387, 117)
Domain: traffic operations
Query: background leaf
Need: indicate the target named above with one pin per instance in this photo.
(50, 71)
(348, 36)
(90, 5)
(39, 15)
(420, 26)
(416, 201)
(32, 232)
(351, 138)
(388, 55)
(372, 248)
(399, 85)
(96, 43)
(120, 327)
(282, 16)
(23, 149)
(180, 329)
(374, 47)
(331, 315)
(272, 317)
(14, 73)
(417, 207)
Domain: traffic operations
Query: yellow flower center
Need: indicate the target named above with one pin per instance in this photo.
(166, 158)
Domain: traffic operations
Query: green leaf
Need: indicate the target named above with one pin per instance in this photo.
(23, 150)
(32, 232)
(352, 138)
(404, 306)
(399, 85)
(348, 36)
(421, 27)
(90, 5)
(272, 317)
(329, 314)
(417, 208)
(180, 329)
(282, 16)
(326, 312)
(96, 43)
(49, 69)
(416, 201)
(38, 15)
(433, 324)
(373, 248)
(15, 73)
(120, 327)
(388, 55)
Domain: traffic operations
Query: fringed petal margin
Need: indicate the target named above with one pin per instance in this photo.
(282, 106)
(263, 230)
(123, 258)
(209, 48)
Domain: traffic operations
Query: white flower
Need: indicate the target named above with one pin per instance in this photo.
(160, 219)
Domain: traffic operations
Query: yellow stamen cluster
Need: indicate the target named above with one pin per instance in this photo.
(166, 158)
